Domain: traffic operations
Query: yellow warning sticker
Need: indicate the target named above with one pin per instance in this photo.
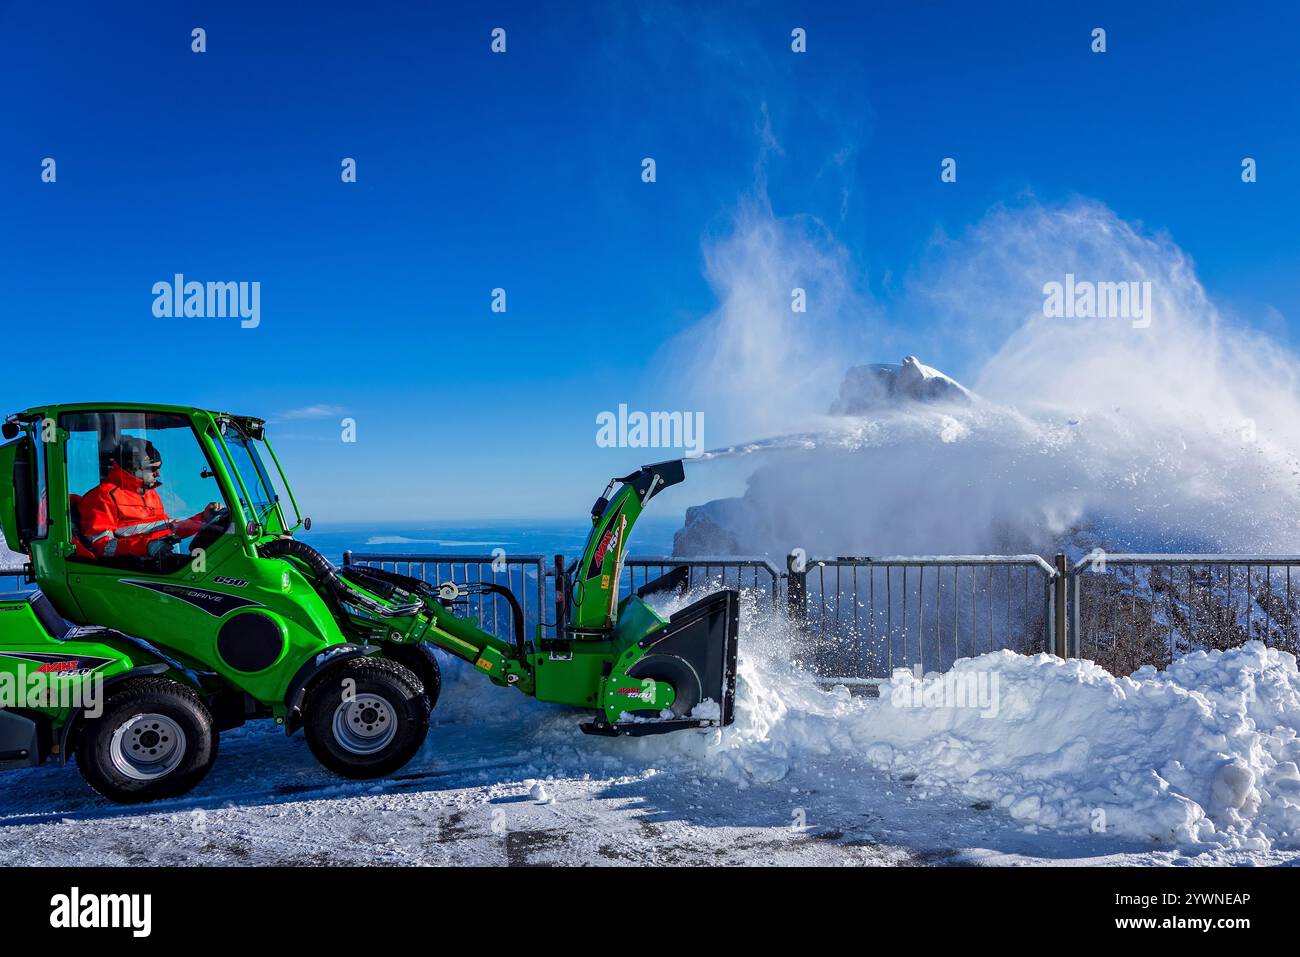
(484, 664)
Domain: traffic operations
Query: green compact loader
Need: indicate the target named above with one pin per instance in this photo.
(195, 609)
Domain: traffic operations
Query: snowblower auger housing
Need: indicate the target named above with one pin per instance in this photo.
(172, 586)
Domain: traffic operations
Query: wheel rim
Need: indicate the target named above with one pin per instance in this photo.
(364, 725)
(146, 747)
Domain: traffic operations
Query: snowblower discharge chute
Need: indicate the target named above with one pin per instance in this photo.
(172, 585)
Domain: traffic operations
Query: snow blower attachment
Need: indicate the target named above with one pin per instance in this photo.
(153, 632)
(640, 673)
(663, 675)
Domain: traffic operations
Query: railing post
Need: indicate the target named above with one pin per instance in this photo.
(796, 589)
(561, 596)
(541, 593)
(1076, 629)
(1059, 610)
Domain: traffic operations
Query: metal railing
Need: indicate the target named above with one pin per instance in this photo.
(1133, 610)
(861, 618)
(528, 577)
(532, 579)
(14, 580)
(723, 572)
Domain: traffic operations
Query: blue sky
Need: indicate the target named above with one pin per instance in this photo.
(522, 171)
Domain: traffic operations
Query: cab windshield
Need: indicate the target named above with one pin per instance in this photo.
(257, 496)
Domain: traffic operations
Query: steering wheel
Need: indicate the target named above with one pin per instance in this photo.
(211, 530)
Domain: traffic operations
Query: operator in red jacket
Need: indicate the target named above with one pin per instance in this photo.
(123, 515)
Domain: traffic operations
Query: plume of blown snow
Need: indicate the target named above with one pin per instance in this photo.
(1177, 436)
(754, 363)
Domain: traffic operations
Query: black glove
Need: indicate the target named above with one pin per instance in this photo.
(161, 547)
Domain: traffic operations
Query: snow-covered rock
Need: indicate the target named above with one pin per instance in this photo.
(709, 529)
(868, 388)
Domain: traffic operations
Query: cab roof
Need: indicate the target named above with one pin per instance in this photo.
(44, 411)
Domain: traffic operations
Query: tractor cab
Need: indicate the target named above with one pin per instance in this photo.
(144, 488)
(110, 499)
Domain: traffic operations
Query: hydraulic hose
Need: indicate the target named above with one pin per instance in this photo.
(516, 614)
(338, 589)
(304, 553)
(377, 579)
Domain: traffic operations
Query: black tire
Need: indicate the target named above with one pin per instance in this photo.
(370, 727)
(132, 753)
(422, 662)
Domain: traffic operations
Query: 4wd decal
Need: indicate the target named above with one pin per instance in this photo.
(61, 666)
(213, 602)
(608, 542)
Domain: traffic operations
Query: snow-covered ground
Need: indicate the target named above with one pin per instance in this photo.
(10, 559)
(1041, 761)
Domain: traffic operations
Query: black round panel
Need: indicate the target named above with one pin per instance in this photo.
(250, 642)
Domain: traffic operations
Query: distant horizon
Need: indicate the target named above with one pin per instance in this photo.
(581, 521)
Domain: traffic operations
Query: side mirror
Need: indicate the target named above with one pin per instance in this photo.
(306, 524)
(9, 430)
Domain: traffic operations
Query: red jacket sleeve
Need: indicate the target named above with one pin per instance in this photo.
(189, 526)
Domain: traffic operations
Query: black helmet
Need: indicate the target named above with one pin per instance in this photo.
(135, 454)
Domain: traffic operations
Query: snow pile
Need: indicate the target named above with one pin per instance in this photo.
(537, 792)
(1203, 755)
